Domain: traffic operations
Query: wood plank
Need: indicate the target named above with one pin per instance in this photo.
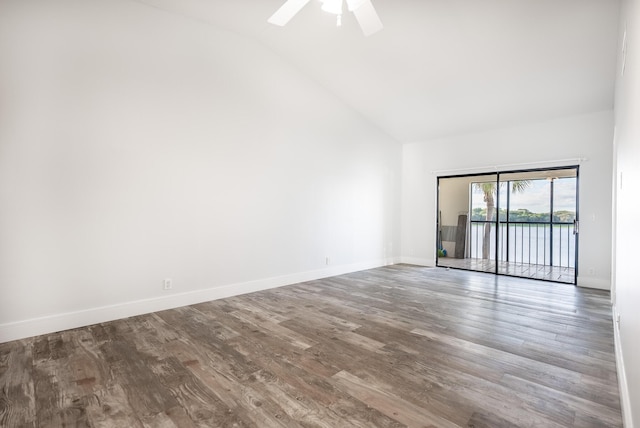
(386, 402)
(17, 400)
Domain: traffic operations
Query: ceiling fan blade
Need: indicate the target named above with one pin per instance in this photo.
(367, 18)
(287, 11)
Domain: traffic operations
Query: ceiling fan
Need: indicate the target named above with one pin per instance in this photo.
(362, 9)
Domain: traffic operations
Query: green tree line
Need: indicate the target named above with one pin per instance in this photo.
(524, 215)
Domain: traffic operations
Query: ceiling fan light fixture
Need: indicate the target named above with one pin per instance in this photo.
(332, 6)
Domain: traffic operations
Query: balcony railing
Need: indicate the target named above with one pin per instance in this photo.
(539, 243)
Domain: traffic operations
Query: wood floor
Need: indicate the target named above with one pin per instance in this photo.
(389, 347)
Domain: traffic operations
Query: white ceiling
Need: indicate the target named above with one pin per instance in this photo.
(442, 67)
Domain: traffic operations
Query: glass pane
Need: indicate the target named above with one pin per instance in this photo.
(453, 205)
(529, 200)
(483, 200)
(465, 238)
(564, 200)
(482, 233)
(503, 201)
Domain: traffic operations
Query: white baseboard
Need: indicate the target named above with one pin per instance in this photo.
(625, 400)
(591, 282)
(418, 261)
(65, 321)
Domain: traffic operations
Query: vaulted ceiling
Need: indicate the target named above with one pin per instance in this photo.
(442, 67)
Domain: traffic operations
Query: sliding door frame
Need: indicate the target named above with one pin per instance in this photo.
(496, 222)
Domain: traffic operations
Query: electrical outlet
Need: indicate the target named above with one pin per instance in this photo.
(592, 272)
(167, 284)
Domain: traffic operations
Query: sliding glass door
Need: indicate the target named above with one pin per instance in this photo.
(519, 223)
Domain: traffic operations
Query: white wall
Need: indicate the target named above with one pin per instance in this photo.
(137, 146)
(626, 286)
(536, 145)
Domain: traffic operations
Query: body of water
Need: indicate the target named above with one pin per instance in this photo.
(530, 243)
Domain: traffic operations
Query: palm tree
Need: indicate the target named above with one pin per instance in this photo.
(488, 189)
